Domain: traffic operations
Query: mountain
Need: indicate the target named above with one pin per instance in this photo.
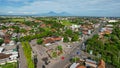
(52, 13)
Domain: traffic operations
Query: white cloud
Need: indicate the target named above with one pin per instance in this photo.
(10, 12)
(71, 6)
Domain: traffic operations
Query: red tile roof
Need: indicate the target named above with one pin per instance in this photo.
(101, 64)
(52, 40)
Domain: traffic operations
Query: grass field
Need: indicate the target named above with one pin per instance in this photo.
(9, 65)
(66, 23)
(15, 20)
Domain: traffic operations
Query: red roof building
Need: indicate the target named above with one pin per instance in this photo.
(6, 38)
(101, 64)
(52, 40)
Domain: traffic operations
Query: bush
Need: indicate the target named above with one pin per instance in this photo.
(75, 59)
(39, 41)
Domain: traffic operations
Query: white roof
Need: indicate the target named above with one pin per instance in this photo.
(109, 25)
(74, 65)
(48, 44)
(16, 55)
(1, 49)
(3, 44)
(112, 21)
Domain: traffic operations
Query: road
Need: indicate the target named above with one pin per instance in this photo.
(62, 63)
(40, 51)
(22, 59)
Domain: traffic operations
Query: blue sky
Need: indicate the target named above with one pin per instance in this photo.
(74, 7)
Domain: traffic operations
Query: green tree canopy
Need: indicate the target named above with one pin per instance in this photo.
(39, 41)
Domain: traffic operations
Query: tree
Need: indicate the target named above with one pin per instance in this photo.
(1, 41)
(39, 41)
(60, 48)
(69, 32)
(75, 38)
(23, 30)
(3, 27)
(75, 59)
(66, 39)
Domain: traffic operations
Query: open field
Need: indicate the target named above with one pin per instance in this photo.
(14, 20)
(66, 22)
(17, 19)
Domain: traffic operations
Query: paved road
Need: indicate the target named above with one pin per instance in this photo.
(22, 59)
(64, 62)
(40, 52)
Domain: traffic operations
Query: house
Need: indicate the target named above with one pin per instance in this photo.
(14, 35)
(80, 66)
(52, 40)
(2, 33)
(6, 38)
(109, 25)
(101, 64)
(43, 25)
(12, 43)
(110, 21)
(4, 58)
(91, 63)
(75, 27)
(1, 49)
(74, 65)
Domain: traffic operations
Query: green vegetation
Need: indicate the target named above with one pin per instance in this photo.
(75, 38)
(23, 31)
(69, 32)
(17, 19)
(39, 41)
(60, 48)
(9, 65)
(66, 39)
(3, 27)
(54, 54)
(13, 20)
(37, 36)
(27, 53)
(14, 39)
(108, 47)
(57, 52)
(75, 59)
(1, 41)
(66, 22)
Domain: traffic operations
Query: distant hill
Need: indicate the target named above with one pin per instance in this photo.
(51, 13)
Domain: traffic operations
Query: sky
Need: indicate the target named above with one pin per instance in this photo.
(74, 7)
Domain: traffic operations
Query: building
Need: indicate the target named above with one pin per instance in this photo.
(80, 67)
(91, 63)
(4, 58)
(51, 40)
(6, 38)
(74, 65)
(1, 49)
(110, 21)
(101, 64)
